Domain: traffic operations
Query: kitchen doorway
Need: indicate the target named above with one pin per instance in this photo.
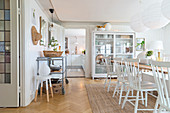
(75, 41)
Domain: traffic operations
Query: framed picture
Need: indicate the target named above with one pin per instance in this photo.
(140, 44)
(33, 16)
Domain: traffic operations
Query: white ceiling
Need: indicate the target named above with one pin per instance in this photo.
(75, 32)
(97, 10)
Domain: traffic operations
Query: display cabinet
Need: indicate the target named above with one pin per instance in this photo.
(110, 44)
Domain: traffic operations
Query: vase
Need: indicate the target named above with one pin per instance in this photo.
(108, 26)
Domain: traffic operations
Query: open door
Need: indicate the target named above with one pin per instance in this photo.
(9, 53)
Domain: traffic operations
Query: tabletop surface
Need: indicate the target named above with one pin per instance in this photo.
(143, 66)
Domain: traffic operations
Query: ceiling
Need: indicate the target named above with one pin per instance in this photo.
(95, 10)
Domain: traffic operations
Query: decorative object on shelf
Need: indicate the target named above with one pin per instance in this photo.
(140, 44)
(107, 26)
(125, 36)
(153, 18)
(33, 16)
(53, 43)
(100, 28)
(165, 8)
(157, 46)
(51, 25)
(53, 53)
(35, 35)
(136, 23)
(99, 58)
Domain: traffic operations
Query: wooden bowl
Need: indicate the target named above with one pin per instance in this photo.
(53, 53)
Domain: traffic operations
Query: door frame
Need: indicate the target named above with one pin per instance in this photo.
(87, 50)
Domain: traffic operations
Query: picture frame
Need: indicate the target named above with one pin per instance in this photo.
(139, 44)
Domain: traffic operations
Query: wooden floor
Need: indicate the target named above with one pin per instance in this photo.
(74, 101)
(75, 73)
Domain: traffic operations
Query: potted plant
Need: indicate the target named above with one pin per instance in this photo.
(149, 54)
(53, 43)
(84, 52)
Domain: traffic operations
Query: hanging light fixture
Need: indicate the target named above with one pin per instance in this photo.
(136, 23)
(165, 8)
(51, 25)
(153, 18)
(76, 43)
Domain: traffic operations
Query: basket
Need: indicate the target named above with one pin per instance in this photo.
(52, 53)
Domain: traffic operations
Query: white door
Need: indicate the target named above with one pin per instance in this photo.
(9, 54)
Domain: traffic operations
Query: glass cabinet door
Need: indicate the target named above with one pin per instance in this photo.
(103, 48)
(124, 46)
(5, 71)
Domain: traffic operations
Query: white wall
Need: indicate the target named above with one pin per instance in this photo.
(166, 39)
(31, 52)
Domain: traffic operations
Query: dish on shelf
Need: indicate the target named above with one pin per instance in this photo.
(101, 29)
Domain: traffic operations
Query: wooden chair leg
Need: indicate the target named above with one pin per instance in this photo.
(36, 91)
(47, 91)
(51, 87)
(41, 88)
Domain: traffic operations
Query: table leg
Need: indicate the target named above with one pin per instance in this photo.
(63, 91)
(37, 67)
(66, 71)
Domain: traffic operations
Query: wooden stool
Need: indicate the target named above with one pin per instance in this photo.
(46, 79)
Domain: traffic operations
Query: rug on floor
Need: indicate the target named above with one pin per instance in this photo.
(102, 102)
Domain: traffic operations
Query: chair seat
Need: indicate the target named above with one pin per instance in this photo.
(43, 77)
(147, 86)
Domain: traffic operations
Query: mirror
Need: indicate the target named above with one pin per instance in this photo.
(43, 32)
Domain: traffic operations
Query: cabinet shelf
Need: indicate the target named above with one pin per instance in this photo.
(102, 65)
(104, 38)
(124, 46)
(124, 54)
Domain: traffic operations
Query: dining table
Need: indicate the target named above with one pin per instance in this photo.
(144, 66)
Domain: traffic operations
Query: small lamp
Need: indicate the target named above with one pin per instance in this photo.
(158, 46)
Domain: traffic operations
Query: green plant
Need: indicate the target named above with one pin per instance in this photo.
(84, 51)
(142, 44)
(53, 43)
(42, 42)
(149, 53)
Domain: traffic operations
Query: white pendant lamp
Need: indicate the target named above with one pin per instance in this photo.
(136, 23)
(165, 8)
(153, 18)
